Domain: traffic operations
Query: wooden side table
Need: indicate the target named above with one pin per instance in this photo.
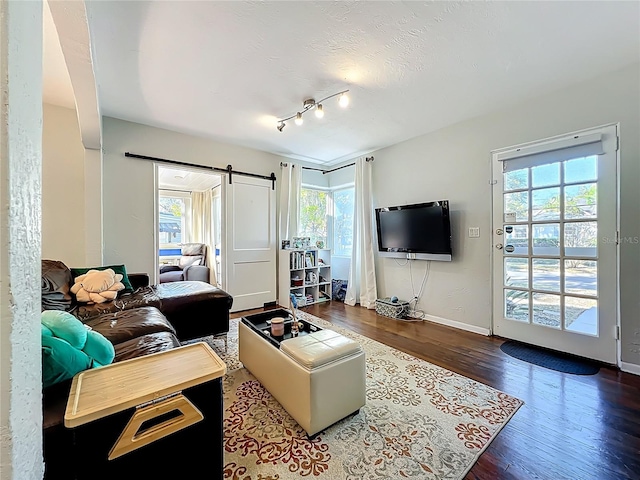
(160, 415)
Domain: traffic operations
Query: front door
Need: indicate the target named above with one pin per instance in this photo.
(250, 242)
(555, 244)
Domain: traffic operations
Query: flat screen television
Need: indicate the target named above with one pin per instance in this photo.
(421, 231)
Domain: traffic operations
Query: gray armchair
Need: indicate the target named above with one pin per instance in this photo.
(191, 265)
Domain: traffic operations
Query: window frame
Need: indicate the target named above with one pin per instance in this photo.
(330, 212)
(186, 217)
(338, 188)
(326, 213)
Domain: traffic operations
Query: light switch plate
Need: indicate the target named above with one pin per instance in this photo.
(474, 232)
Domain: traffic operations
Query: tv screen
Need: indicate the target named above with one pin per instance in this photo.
(422, 229)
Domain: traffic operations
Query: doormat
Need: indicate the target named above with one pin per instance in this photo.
(551, 359)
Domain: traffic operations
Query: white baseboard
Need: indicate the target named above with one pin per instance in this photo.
(630, 368)
(459, 325)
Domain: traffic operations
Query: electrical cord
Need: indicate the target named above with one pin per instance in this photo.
(401, 264)
(413, 311)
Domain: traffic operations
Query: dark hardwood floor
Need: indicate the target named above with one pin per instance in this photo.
(570, 427)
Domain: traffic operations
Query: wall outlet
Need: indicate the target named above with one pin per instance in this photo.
(474, 232)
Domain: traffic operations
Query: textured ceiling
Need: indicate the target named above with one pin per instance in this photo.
(186, 180)
(228, 70)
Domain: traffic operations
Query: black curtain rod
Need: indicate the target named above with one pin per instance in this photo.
(228, 170)
(324, 172)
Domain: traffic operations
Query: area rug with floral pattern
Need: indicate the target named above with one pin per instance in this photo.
(420, 421)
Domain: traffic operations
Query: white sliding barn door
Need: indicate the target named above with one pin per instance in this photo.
(250, 250)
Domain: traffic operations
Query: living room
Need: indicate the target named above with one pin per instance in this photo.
(111, 222)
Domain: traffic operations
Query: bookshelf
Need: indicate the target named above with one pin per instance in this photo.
(306, 273)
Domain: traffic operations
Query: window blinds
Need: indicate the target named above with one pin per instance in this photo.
(576, 146)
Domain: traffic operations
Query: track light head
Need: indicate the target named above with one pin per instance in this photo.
(309, 104)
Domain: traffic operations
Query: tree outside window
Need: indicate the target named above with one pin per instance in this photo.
(313, 215)
(171, 221)
(324, 214)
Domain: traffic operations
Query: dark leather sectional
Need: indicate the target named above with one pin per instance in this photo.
(153, 318)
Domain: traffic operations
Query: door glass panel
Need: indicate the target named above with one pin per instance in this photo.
(516, 272)
(546, 239)
(517, 203)
(546, 274)
(580, 201)
(554, 282)
(516, 305)
(545, 175)
(581, 239)
(546, 309)
(518, 238)
(516, 179)
(581, 315)
(581, 277)
(545, 204)
(581, 169)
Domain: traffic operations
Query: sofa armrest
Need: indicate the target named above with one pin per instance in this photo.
(196, 272)
(169, 268)
(138, 280)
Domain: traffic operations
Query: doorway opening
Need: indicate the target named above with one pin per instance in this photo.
(189, 210)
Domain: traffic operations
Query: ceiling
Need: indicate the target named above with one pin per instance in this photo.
(187, 180)
(228, 70)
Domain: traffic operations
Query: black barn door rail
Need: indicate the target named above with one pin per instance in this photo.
(228, 170)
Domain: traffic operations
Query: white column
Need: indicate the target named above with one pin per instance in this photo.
(93, 238)
(20, 232)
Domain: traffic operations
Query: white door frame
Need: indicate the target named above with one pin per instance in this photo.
(154, 278)
(498, 223)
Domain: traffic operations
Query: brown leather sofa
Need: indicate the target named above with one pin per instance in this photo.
(151, 319)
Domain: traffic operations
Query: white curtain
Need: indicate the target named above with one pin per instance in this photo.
(290, 184)
(203, 228)
(362, 273)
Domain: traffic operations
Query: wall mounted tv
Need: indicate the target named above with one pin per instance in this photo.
(421, 231)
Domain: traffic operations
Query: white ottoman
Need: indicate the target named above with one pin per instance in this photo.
(318, 378)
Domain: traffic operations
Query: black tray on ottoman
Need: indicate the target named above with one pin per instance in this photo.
(261, 323)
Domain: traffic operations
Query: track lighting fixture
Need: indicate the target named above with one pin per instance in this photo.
(309, 104)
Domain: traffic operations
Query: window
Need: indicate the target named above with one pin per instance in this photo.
(313, 215)
(172, 219)
(174, 210)
(326, 215)
(343, 221)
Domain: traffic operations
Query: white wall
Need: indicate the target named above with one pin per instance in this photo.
(313, 177)
(128, 184)
(454, 164)
(20, 187)
(342, 177)
(63, 187)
